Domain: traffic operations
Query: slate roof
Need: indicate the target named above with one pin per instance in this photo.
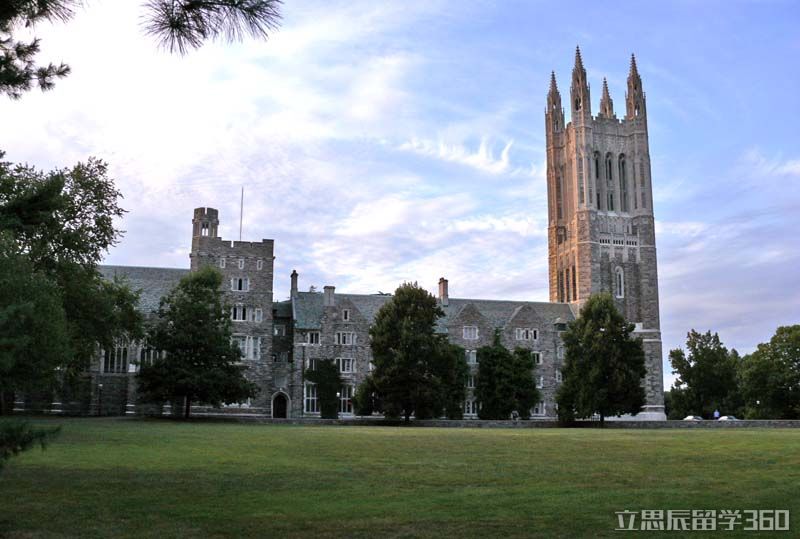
(151, 283)
(308, 309)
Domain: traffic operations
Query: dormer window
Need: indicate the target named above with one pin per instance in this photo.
(470, 333)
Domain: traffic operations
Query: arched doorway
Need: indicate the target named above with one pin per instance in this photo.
(279, 406)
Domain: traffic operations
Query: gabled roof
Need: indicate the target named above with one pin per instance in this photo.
(308, 309)
(151, 283)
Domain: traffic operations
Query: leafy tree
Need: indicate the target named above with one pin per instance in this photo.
(34, 342)
(770, 377)
(19, 436)
(55, 227)
(604, 364)
(415, 370)
(505, 381)
(179, 25)
(200, 362)
(707, 377)
(329, 383)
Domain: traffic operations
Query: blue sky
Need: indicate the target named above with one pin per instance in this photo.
(379, 142)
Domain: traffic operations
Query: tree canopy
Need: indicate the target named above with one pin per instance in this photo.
(707, 377)
(328, 381)
(57, 308)
(416, 370)
(604, 364)
(177, 25)
(505, 381)
(770, 377)
(199, 362)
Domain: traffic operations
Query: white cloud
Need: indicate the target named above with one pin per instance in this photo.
(483, 158)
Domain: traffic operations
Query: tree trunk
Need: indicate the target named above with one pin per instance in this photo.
(602, 419)
(187, 407)
(2, 402)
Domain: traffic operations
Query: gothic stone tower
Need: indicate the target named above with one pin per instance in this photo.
(247, 269)
(601, 235)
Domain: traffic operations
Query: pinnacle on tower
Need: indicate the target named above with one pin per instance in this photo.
(579, 91)
(553, 85)
(633, 71)
(634, 99)
(606, 104)
(554, 113)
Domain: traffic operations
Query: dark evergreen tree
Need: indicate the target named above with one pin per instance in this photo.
(366, 400)
(450, 367)
(505, 381)
(604, 364)
(494, 386)
(200, 363)
(416, 371)
(707, 377)
(178, 25)
(329, 385)
(19, 436)
(526, 395)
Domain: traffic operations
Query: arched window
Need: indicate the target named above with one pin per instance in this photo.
(609, 184)
(619, 282)
(596, 165)
(623, 184)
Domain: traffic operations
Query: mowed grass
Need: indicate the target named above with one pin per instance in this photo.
(130, 478)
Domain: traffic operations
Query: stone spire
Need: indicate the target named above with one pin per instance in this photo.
(579, 91)
(606, 104)
(634, 98)
(554, 114)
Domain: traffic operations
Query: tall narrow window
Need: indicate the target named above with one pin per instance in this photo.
(260, 265)
(580, 179)
(222, 263)
(566, 280)
(310, 398)
(623, 185)
(619, 282)
(559, 209)
(609, 184)
(346, 400)
(574, 285)
(116, 361)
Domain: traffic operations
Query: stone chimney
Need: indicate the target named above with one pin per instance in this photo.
(328, 300)
(294, 283)
(444, 297)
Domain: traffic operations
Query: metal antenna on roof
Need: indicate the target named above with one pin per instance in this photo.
(241, 214)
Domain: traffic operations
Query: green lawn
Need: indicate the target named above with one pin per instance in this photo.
(127, 478)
